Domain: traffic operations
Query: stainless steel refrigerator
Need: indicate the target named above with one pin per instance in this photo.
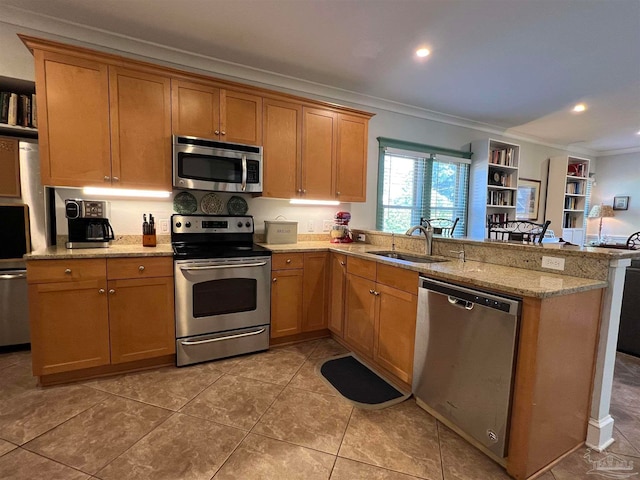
(24, 226)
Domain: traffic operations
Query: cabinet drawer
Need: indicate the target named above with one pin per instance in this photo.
(399, 278)
(362, 268)
(139, 267)
(283, 261)
(42, 271)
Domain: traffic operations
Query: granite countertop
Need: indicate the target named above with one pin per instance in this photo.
(510, 280)
(59, 252)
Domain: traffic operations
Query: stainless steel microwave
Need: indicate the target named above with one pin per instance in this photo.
(204, 164)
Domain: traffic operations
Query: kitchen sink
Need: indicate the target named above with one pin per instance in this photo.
(407, 257)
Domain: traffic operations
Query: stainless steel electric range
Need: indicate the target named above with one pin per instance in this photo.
(222, 287)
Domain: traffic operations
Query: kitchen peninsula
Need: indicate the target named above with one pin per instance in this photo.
(559, 325)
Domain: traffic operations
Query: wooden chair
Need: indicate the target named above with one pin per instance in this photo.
(440, 226)
(518, 230)
(633, 242)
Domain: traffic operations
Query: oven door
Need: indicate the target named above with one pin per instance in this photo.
(222, 294)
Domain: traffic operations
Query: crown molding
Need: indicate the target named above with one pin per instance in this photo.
(620, 151)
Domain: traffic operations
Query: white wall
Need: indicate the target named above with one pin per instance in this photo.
(391, 120)
(618, 175)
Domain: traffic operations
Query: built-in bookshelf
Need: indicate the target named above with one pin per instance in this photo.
(567, 197)
(18, 114)
(493, 184)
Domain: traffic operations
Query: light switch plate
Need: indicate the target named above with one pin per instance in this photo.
(164, 226)
(326, 225)
(554, 263)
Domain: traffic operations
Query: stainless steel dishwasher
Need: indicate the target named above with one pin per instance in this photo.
(464, 360)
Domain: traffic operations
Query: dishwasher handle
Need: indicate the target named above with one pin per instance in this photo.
(460, 303)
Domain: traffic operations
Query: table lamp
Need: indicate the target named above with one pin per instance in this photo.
(601, 211)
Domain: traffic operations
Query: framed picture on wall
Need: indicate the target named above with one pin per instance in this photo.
(528, 199)
(620, 203)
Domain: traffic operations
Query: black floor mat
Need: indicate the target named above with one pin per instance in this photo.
(358, 383)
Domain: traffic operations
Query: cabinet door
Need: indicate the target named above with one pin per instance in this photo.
(359, 314)
(10, 168)
(141, 318)
(395, 327)
(195, 109)
(338, 280)
(286, 302)
(73, 120)
(351, 159)
(318, 153)
(315, 292)
(69, 326)
(240, 117)
(140, 129)
(282, 148)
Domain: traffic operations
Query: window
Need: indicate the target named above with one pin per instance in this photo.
(415, 184)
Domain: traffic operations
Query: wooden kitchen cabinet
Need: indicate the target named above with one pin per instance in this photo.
(299, 292)
(84, 314)
(282, 148)
(318, 153)
(101, 124)
(380, 315)
(337, 286)
(10, 167)
(202, 110)
(351, 158)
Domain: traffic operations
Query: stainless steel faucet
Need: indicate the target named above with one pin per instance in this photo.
(428, 235)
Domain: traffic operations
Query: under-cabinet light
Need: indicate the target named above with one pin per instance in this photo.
(300, 201)
(122, 192)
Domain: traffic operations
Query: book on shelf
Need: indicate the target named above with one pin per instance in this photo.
(12, 118)
(574, 188)
(18, 109)
(34, 111)
(4, 106)
(505, 156)
(498, 218)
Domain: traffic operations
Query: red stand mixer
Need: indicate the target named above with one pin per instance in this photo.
(340, 232)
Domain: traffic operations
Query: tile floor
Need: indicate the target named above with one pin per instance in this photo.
(264, 416)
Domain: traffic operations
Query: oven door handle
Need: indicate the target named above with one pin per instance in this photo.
(218, 267)
(219, 339)
(244, 172)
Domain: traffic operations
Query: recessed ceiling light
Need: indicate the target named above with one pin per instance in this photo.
(423, 52)
(581, 107)
(638, 132)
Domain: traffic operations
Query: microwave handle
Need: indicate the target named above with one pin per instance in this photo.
(244, 172)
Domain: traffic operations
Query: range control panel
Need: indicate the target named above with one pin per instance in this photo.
(211, 224)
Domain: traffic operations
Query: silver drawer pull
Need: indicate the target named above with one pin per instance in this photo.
(288, 260)
(12, 276)
(343, 263)
(141, 268)
(220, 339)
(101, 291)
(67, 271)
(112, 291)
(217, 267)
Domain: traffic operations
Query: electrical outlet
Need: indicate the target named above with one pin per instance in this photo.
(326, 225)
(362, 237)
(554, 263)
(164, 226)
(310, 226)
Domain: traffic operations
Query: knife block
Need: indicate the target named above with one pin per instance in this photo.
(149, 240)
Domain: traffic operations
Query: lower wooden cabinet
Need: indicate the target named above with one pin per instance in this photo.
(380, 315)
(91, 313)
(299, 295)
(337, 285)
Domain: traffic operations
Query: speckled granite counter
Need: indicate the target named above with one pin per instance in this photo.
(60, 252)
(510, 280)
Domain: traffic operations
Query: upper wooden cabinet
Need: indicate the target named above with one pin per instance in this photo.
(207, 111)
(101, 124)
(351, 158)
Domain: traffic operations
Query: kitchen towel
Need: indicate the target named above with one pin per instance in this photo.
(358, 384)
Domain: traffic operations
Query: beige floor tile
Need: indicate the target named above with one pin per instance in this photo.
(462, 461)
(183, 447)
(547, 476)
(309, 379)
(234, 401)
(580, 466)
(17, 378)
(622, 445)
(308, 419)
(402, 438)
(22, 465)
(22, 357)
(327, 348)
(275, 366)
(169, 387)
(6, 447)
(262, 458)
(303, 348)
(350, 470)
(95, 437)
(33, 412)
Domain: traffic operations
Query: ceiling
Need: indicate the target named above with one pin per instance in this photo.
(516, 65)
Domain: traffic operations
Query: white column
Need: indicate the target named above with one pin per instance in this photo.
(600, 429)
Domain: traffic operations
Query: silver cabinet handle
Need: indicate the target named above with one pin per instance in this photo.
(299, 190)
(141, 268)
(275, 280)
(338, 193)
(288, 260)
(223, 132)
(112, 291)
(217, 267)
(304, 191)
(101, 291)
(107, 178)
(343, 263)
(217, 132)
(377, 294)
(220, 339)
(116, 179)
(372, 291)
(67, 271)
